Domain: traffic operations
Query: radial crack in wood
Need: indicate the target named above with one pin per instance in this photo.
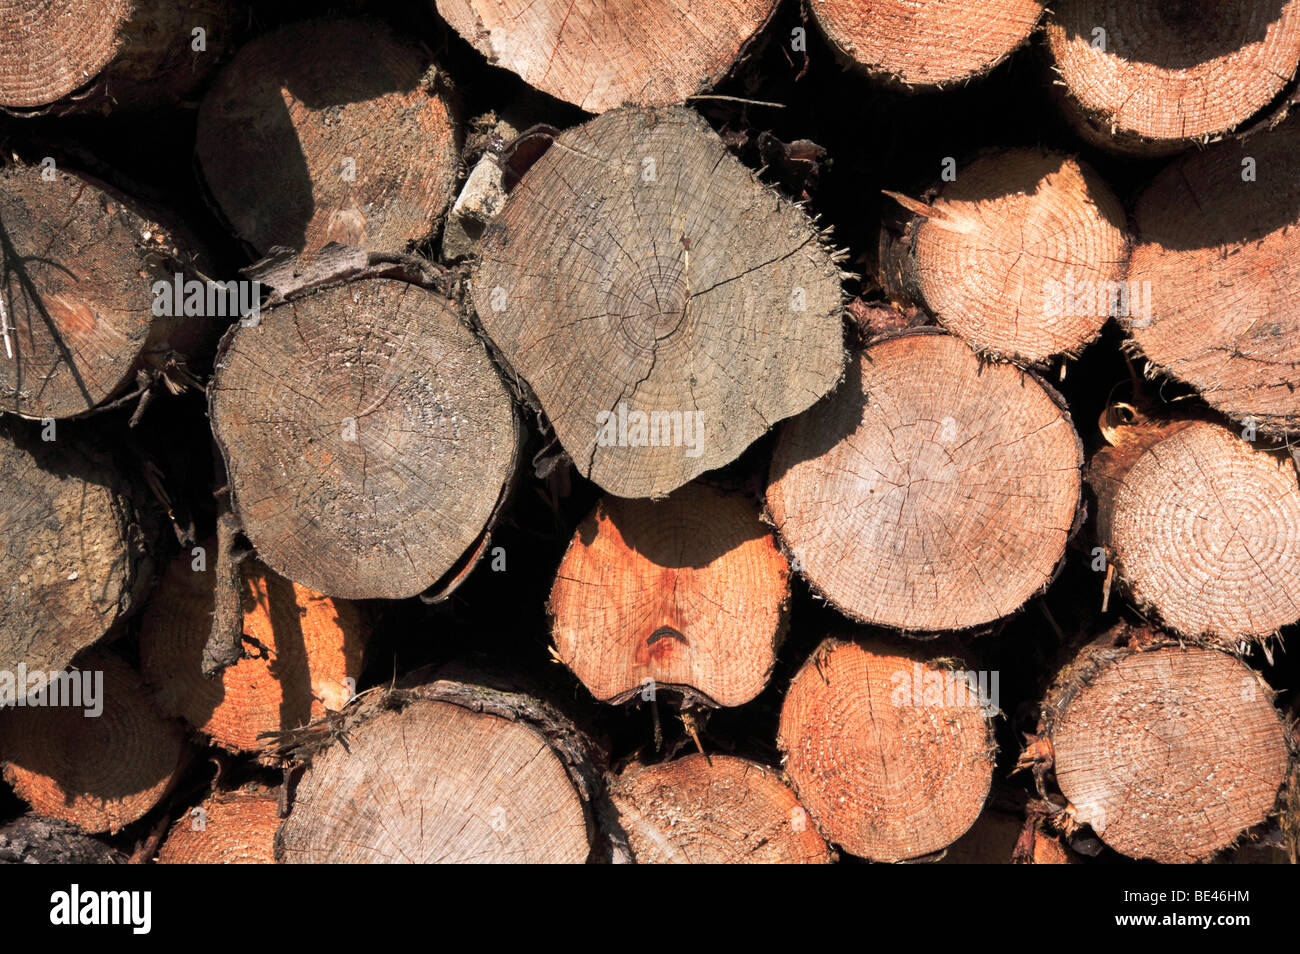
(438, 782)
(926, 44)
(1022, 255)
(687, 592)
(1150, 76)
(599, 54)
(1217, 254)
(665, 307)
(929, 492)
(368, 437)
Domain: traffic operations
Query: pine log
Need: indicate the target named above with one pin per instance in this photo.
(108, 55)
(930, 492)
(300, 650)
(926, 44)
(228, 828)
(714, 810)
(33, 840)
(1217, 244)
(1168, 751)
(331, 131)
(99, 772)
(599, 54)
(367, 436)
(447, 773)
(78, 316)
(1152, 76)
(690, 592)
(77, 537)
(889, 748)
(1022, 254)
(665, 307)
(1202, 527)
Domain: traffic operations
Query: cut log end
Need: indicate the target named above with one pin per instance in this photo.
(228, 828)
(1022, 255)
(98, 771)
(928, 44)
(76, 559)
(1169, 754)
(715, 810)
(78, 314)
(44, 55)
(1215, 231)
(1203, 527)
(102, 55)
(1148, 76)
(891, 754)
(599, 54)
(664, 306)
(300, 651)
(329, 132)
(367, 435)
(930, 492)
(436, 782)
(688, 592)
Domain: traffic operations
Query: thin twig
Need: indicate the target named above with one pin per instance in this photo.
(738, 99)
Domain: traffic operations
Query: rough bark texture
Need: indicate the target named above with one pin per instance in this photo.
(228, 828)
(299, 651)
(76, 549)
(1218, 246)
(926, 44)
(78, 312)
(599, 54)
(332, 131)
(1167, 751)
(367, 436)
(1202, 527)
(665, 307)
(224, 645)
(687, 592)
(714, 810)
(448, 772)
(98, 772)
(928, 492)
(32, 840)
(108, 55)
(889, 750)
(1022, 254)
(1150, 76)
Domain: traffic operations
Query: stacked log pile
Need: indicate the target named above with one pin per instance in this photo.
(649, 431)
